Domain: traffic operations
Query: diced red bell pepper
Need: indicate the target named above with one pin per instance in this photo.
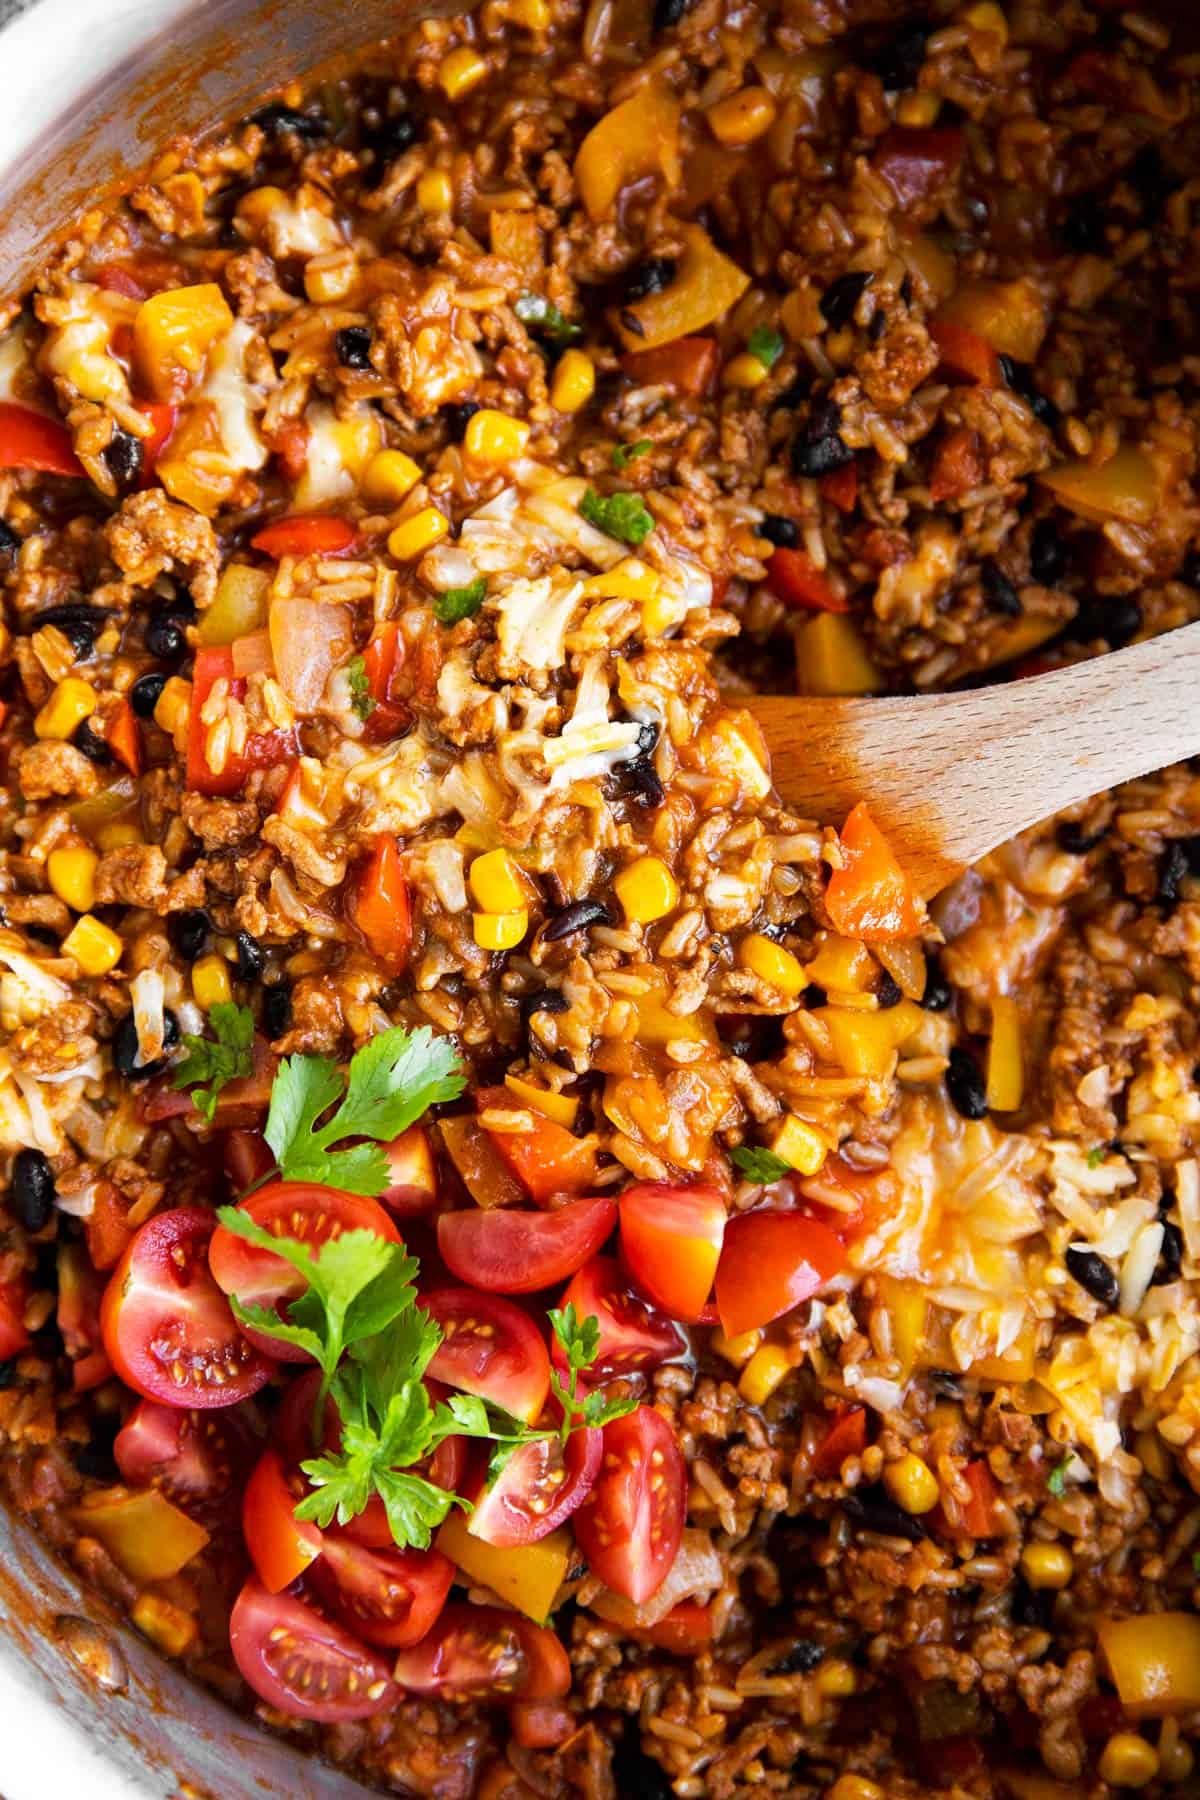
(845, 1436)
(688, 364)
(262, 750)
(685, 1631)
(306, 534)
(30, 440)
(162, 423)
(964, 354)
(796, 580)
(13, 1336)
(383, 660)
(548, 1160)
(958, 466)
(124, 739)
(840, 487)
(380, 905)
(916, 162)
(979, 1514)
(107, 1227)
(870, 896)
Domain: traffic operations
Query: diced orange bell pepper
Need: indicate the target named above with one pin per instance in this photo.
(1009, 315)
(964, 354)
(706, 285)
(845, 1436)
(1126, 487)
(124, 739)
(261, 751)
(796, 580)
(840, 487)
(638, 138)
(917, 162)
(979, 1514)
(380, 906)
(30, 440)
(1154, 1659)
(548, 1159)
(957, 465)
(107, 1227)
(689, 365)
(172, 334)
(141, 1529)
(306, 534)
(870, 896)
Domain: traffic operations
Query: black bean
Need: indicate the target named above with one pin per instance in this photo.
(640, 780)
(1071, 837)
(95, 1458)
(89, 742)
(841, 297)
(804, 1656)
(817, 449)
(814, 996)
(888, 991)
(898, 63)
(459, 415)
(10, 543)
(937, 995)
(906, 291)
(946, 1383)
(277, 1009)
(1190, 572)
(1001, 595)
(1150, 176)
(1032, 1607)
(1093, 1273)
(650, 276)
(1082, 227)
(752, 1037)
(1170, 1256)
(1049, 555)
(634, 1773)
(78, 623)
(1172, 867)
(125, 1048)
(166, 635)
(1191, 849)
(188, 932)
(279, 121)
(875, 1512)
(965, 1085)
(249, 957)
(145, 694)
(576, 917)
(123, 456)
(647, 737)
(8, 1373)
(32, 1191)
(878, 325)
(668, 13)
(547, 1000)
(353, 345)
(1113, 621)
(1019, 377)
(783, 533)
(391, 138)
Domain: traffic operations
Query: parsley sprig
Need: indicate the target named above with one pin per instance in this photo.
(624, 454)
(362, 701)
(212, 1063)
(580, 1340)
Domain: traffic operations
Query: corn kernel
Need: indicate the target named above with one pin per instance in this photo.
(210, 982)
(95, 948)
(920, 109)
(72, 875)
(772, 964)
(855, 1787)
(835, 1679)
(763, 1374)
(389, 476)
(69, 705)
(462, 70)
(647, 890)
(1128, 1761)
(1047, 1565)
(843, 964)
(745, 371)
(257, 207)
(168, 1626)
(987, 16)
(412, 537)
(494, 437)
(629, 580)
(173, 707)
(500, 931)
(532, 15)
(574, 382)
(742, 117)
(559, 1107)
(330, 277)
(799, 1144)
(911, 1484)
(435, 191)
(737, 1350)
(496, 884)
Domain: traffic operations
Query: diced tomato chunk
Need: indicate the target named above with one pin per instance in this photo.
(840, 487)
(306, 534)
(917, 162)
(107, 1227)
(686, 1630)
(262, 750)
(979, 1513)
(383, 660)
(870, 896)
(845, 1436)
(964, 354)
(13, 1336)
(957, 466)
(688, 364)
(380, 904)
(30, 440)
(796, 580)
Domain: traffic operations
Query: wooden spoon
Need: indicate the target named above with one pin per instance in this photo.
(950, 776)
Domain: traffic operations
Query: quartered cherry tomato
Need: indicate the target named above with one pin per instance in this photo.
(491, 1348)
(281, 1546)
(412, 1188)
(539, 1487)
(518, 1252)
(770, 1262)
(168, 1328)
(630, 1526)
(387, 1597)
(485, 1653)
(671, 1242)
(296, 1209)
(634, 1336)
(302, 1663)
(197, 1459)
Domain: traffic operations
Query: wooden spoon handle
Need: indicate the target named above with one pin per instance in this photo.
(950, 776)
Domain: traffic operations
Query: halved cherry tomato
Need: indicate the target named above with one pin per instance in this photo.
(508, 1252)
(491, 1348)
(196, 1458)
(13, 1336)
(387, 1597)
(687, 364)
(870, 896)
(305, 534)
(548, 1160)
(840, 487)
(302, 1663)
(541, 1724)
(770, 1262)
(917, 162)
(412, 1174)
(964, 354)
(671, 1242)
(845, 1436)
(262, 750)
(296, 1209)
(380, 907)
(686, 1630)
(630, 1526)
(30, 440)
(124, 739)
(168, 1329)
(247, 1157)
(281, 1546)
(537, 1490)
(796, 580)
(485, 1653)
(383, 661)
(633, 1334)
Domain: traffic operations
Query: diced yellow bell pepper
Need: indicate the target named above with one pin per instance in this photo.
(69, 705)
(925, 258)
(168, 1626)
(844, 964)
(639, 137)
(737, 1350)
(173, 707)
(559, 1107)
(1008, 315)
(1126, 487)
(800, 1145)
(773, 964)
(141, 1530)
(831, 657)
(657, 1027)
(1005, 1069)
(764, 1372)
(172, 333)
(706, 285)
(239, 605)
(865, 1043)
(527, 1577)
(630, 579)
(1154, 1660)
(1016, 1365)
(907, 1307)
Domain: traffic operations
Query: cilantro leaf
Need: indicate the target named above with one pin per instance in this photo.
(580, 1342)
(460, 602)
(1056, 1481)
(623, 454)
(547, 319)
(392, 1081)
(211, 1065)
(621, 516)
(362, 702)
(1096, 1155)
(765, 345)
(414, 1506)
(757, 1164)
(601, 1409)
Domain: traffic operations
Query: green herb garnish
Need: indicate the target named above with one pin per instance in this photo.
(1056, 1481)
(623, 454)
(211, 1064)
(759, 1165)
(460, 602)
(622, 516)
(766, 345)
(547, 320)
(362, 701)
(1096, 1156)
(580, 1340)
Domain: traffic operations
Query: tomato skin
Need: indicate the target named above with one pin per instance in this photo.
(687, 363)
(796, 580)
(246, 1157)
(630, 1526)
(671, 1241)
(305, 534)
(686, 1630)
(549, 1160)
(485, 1653)
(538, 1489)
(490, 1348)
(508, 1252)
(870, 896)
(297, 1209)
(162, 1312)
(634, 1336)
(383, 661)
(197, 1459)
(771, 1262)
(380, 905)
(242, 1103)
(979, 1517)
(840, 487)
(281, 1546)
(262, 751)
(13, 1336)
(276, 1636)
(389, 1598)
(846, 1436)
(31, 440)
